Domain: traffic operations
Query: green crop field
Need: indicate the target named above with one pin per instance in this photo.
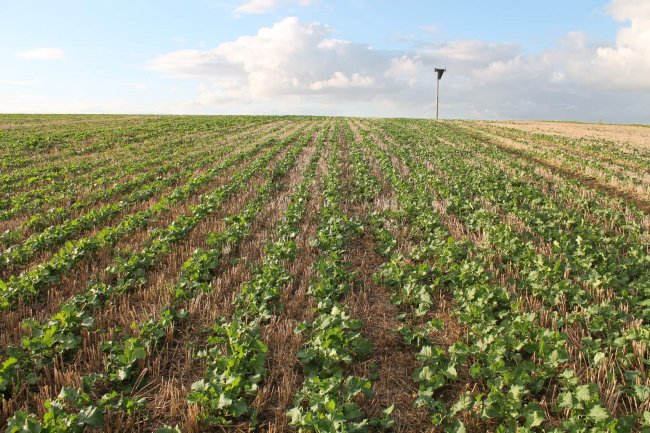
(313, 274)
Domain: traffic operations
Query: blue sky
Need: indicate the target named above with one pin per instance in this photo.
(506, 59)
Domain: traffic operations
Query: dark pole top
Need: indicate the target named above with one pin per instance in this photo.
(440, 72)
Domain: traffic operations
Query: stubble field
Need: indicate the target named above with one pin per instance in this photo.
(164, 273)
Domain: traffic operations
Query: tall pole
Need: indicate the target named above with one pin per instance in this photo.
(437, 95)
(439, 72)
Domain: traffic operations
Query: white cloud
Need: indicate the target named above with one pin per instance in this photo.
(341, 81)
(186, 63)
(301, 65)
(473, 52)
(408, 69)
(264, 6)
(300, 68)
(289, 58)
(42, 54)
(627, 63)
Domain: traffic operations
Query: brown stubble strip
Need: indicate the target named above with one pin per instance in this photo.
(95, 267)
(625, 166)
(172, 371)
(284, 379)
(393, 361)
(390, 359)
(547, 181)
(630, 136)
(132, 308)
(641, 201)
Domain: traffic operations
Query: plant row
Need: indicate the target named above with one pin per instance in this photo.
(235, 356)
(67, 187)
(505, 351)
(29, 284)
(124, 356)
(329, 397)
(54, 235)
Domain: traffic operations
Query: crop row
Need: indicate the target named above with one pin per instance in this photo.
(612, 213)
(328, 399)
(235, 357)
(59, 187)
(607, 327)
(30, 283)
(54, 235)
(33, 168)
(45, 220)
(585, 253)
(516, 303)
(625, 183)
(506, 350)
(123, 355)
(55, 146)
(616, 212)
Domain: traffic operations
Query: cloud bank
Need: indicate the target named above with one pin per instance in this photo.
(296, 67)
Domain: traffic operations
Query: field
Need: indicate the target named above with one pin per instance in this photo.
(323, 275)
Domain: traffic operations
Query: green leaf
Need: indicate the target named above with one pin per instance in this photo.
(641, 392)
(567, 401)
(425, 374)
(646, 418)
(224, 401)
(534, 415)
(516, 392)
(598, 358)
(88, 322)
(92, 416)
(122, 374)
(598, 413)
(22, 422)
(464, 403)
(583, 393)
(295, 414)
(456, 427)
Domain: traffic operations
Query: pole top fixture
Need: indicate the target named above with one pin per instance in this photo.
(440, 71)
